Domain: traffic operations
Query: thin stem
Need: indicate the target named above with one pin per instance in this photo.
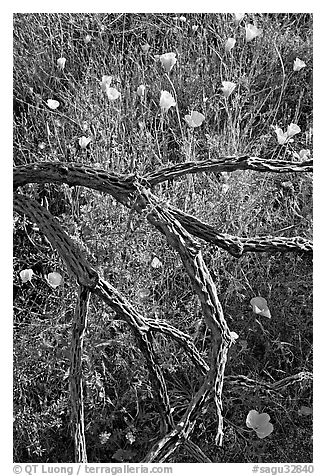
(176, 107)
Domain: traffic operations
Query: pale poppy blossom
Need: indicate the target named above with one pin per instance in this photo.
(166, 101)
(252, 32)
(259, 422)
(238, 17)
(87, 39)
(61, 62)
(52, 104)
(284, 137)
(304, 154)
(112, 94)
(156, 263)
(141, 91)
(54, 279)
(234, 336)
(26, 275)
(293, 129)
(168, 60)
(195, 119)
(298, 64)
(183, 19)
(194, 28)
(106, 82)
(228, 88)
(229, 44)
(260, 307)
(84, 141)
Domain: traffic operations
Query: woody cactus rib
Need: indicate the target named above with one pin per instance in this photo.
(227, 164)
(234, 381)
(191, 256)
(124, 188)
(76, 377)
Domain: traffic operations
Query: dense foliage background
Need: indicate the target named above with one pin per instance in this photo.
(131, 135)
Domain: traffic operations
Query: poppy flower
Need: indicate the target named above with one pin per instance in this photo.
(281, 136)
(26, 275)
(298, 64)
(234, 336)
(229, 44)
(168, 60)
(61, 62)
(183, 19)
(259, 422)
(166, 101)
(53, 104)
(195, 119)
(259, 306)
(87, 39)
(238, 17)
(304, 154)
(194, 28)
(228, 88)
(284, 137)
(252, 32)
(292, 130)
(106, 82)
(54, 279)
(156, 263)
(141, 91)
(112, 94)
(84, 141)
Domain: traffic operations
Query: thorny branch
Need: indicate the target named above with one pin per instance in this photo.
(124, 188)
(176, 226)
(227, 164)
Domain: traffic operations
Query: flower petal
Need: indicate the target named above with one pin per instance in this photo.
(293, 129)
(168, 60)
(26, 275)
(259, 306)
(195, 119)
(229, 44)
(54, 279)
(251, 418)
(252, 32)
(263, 432)
(166, 101)
(112, 93)
(298, 64)
(53, 104)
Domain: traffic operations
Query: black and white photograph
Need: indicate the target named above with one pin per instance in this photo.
(162, 240)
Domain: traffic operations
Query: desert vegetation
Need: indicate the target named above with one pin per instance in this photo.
(162, 237)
